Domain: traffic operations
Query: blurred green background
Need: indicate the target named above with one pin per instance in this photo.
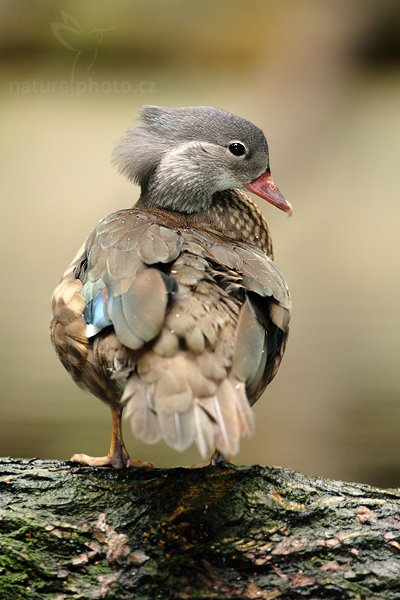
(322, 80)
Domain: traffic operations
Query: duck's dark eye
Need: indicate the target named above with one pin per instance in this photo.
(237, 148)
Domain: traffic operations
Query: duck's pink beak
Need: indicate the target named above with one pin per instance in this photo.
(265, 187)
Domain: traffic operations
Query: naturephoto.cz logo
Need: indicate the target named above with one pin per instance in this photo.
(84, 46)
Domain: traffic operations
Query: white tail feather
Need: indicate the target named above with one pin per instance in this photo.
(213, 422)
(205, 430)
(177, 429)
(143, 419)
(244, 411)
(228, 421)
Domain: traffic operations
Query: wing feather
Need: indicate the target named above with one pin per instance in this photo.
(201, 324)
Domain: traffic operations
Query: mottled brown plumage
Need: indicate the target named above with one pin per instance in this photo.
(181, 317)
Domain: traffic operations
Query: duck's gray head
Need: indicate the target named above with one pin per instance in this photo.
(182, 157)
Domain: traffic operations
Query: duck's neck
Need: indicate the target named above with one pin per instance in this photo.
(179, 184)
(237, 217)
(171, 199)
(231, 214)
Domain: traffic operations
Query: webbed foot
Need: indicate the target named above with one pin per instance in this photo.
(115, 461)
(217, 459)
(118, 456)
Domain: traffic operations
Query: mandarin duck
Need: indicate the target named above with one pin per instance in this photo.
(174, 309)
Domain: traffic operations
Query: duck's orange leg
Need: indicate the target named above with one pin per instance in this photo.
(118, 456)
(216, 459)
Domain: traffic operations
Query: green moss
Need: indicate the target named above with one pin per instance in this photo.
(207, 533)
